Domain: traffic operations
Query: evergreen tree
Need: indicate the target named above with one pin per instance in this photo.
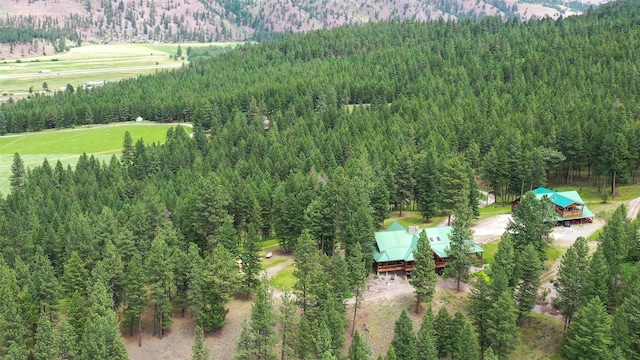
(615, 241)
(46, 340)
(195, 294)
(622, 340)
(182, 270)
(114, 271)
(204, 213)
(75, 277)
(423, 276)
(200, 349)
(305, 347)
(599, 282)
(12, 328)
(67, 343)
(427, 183)
(489, 355)
(613, 157)
(426, 342)
(460, 245)
(323, 340)
(391, 354)
(571, 280)
(404, 178)
(466, 347)
(358, 271)
(474, 193)
(243, 348)
(480, 301)
(532, 223)
(505, 258)
(502, 328)
(307, 269)
(251, 264)
(128, 151)
(78, 313)
(135, 295)
(219, 280)
(529, 280)
(263, 321)
(589, 336)
(443, 332)
(380, 202)
(161, 282)
(404, 339)
(288, 325)
(102, 333)
(3, 124)
(626, 326)
(43, 285)
(454, 190)
(18, 173)
(359, 349)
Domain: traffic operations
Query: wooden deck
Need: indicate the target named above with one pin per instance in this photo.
(570, 214)
(408, 267)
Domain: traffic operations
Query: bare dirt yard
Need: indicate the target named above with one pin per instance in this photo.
(384, 300)
(490, 229)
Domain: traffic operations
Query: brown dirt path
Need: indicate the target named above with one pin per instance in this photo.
(634, 207)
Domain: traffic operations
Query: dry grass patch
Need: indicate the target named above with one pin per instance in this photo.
(541, 338)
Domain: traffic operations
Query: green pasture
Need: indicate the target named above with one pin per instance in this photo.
(90, 63)
(101, 141)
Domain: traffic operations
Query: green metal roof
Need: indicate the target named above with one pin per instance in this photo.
(397, 244)
(564, 199)
(395, 226)
(541, 190)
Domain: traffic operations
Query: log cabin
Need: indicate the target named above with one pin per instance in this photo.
(569, 207)
(395, 246)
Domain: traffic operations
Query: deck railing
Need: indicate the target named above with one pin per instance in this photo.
(570, 214)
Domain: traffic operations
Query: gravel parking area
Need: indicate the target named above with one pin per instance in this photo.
(565, 236)
(490, 229)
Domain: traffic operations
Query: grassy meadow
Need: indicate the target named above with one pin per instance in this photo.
(90, 63)
(101, 141)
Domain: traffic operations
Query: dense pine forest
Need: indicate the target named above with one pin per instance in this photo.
(311, 139)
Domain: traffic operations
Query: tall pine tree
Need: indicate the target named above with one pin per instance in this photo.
(404, 339)
(200, 349)
(426, 341)
(571, 280)
(423, 276)
(589, 336)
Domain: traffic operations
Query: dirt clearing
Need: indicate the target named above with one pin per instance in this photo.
(490, 229)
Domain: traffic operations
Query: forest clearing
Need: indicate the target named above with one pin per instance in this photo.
(386, 296)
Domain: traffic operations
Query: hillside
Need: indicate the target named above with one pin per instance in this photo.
(33, 27)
